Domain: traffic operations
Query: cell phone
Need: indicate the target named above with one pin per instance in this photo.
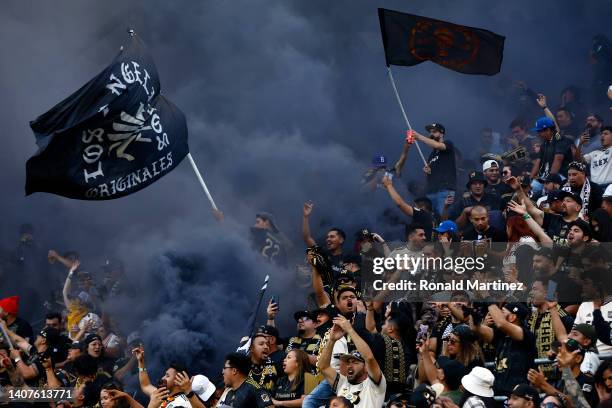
(275, 300)
(422, 334)
(552, 291)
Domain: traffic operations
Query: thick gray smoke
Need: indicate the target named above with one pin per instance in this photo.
(286, 101)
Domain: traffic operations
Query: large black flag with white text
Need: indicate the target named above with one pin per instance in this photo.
(410, 39)
(114, 136)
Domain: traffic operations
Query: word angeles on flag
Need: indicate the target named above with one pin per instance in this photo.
(114, 136)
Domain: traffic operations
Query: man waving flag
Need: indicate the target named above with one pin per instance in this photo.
(114, 136)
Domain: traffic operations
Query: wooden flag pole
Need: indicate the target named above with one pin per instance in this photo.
(399, 101)
(202, 183)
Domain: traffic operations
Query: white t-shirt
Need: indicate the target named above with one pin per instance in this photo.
(601, 165)
(366, 394)
(179, 400)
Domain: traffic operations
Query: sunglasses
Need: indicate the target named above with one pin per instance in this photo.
(549, 405)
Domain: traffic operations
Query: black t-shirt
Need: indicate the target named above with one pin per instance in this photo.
(493, 234)
(283, 391)
(513, 360)
(443, 169)
(556, 228)
(269, 244)
(548, 150)
(248, 395)
(22, 328)
(587, 386)
(595, 196)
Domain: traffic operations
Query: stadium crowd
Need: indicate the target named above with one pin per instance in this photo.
(535, 204)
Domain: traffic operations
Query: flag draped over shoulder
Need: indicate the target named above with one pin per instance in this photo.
(410, 39)
(114, 136)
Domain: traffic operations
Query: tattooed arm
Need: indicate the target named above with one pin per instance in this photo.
(572, 389)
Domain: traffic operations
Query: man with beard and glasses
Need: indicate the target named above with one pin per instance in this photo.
(364, 385)
(307, 339)
(440, 170)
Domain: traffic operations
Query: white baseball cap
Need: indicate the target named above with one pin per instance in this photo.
(608, 192)
(488, 164)
(202, 386)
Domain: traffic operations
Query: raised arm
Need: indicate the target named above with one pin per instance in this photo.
(397, 199)
(535, 212)
(533, 225)
(306, 235)
(512, 330)
(324, 363)
(54, 256)
(68, 283)
(542, 103)
(321, 296)
(402, 160)
(429, 141)
(271, 311)
(143, 377)
(374, 370)
(557, 324)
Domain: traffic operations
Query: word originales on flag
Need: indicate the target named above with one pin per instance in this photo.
(114, 136)
(409, 39)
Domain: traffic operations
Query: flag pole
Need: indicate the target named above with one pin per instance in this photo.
(202, 183)
(401, 105)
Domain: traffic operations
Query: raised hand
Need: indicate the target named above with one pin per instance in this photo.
(541, 100)
(308, 208)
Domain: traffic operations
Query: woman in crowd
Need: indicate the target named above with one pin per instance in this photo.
(112, 396)
(462, 345)
(601, 225)
(289, 390)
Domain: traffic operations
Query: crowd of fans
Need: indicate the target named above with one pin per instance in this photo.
(536, 206)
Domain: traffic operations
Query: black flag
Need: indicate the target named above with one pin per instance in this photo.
(114, 136)
(409, 40)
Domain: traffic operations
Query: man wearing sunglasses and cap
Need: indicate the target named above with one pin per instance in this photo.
(440, 170)
(307, 339)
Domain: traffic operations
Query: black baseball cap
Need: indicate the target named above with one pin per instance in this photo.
(268, 330)
(436, 126)
(302, 313)
(554, 196)
(453, 371)
(352, 258)
(552, 178)
(344, 288)
(571, 195)
(519, 309)
(528, 392)
(476, 176)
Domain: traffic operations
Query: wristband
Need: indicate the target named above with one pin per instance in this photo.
(18, 359)
(526, 217)
(142, 369)
(190, 394)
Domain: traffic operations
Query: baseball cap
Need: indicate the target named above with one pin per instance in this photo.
(488, 164)
(528, 392)
(446, 226)
(353, 354)
(344, 288)
(302, 313)
(268, 330)
(543, 123)
(571, 195)
(554, 196)
(436, 126)
(76, 345)
(608, 192)
(202, 386)
(552, 178)
(519, 309)
(475, 176)
(379, 160)
(453, 371)
(352, 258)
(321, 310)
(587, 330)
(423, 396)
